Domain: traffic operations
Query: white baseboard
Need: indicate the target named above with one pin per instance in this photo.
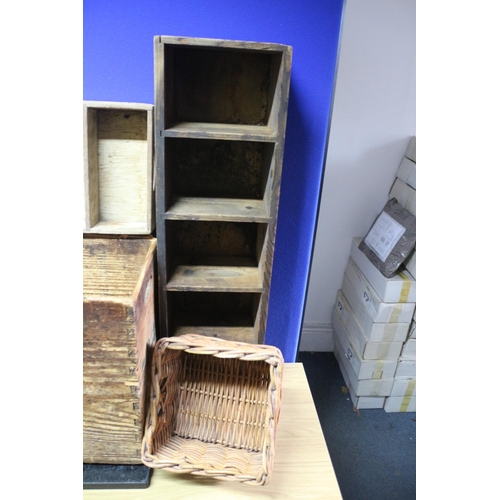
(316, 337)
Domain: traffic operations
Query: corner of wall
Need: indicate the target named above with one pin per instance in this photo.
(316, 337)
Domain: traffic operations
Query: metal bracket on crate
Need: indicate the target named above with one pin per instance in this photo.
(115, 476)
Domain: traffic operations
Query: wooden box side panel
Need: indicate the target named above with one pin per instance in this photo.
(145, 328)
(283, 66)
(91, 170)
(111, 409)
(109, 433)
(118, 342)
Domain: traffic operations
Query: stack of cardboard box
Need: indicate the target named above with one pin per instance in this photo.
(404, 189)
(374, 320)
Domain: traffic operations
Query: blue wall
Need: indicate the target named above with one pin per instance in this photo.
(118, 66)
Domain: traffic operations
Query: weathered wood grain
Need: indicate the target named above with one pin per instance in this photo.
(217, 209)
(220, 114)
(119, 334)
(237, 334)
(215, 278)
(221, 131)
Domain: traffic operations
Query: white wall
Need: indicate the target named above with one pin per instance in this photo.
(373, 118)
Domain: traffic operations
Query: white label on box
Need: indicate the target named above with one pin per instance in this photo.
(385, 332)
(342, 308)
(364, 369)
(361, 291)
(380, 387)
(349, 354)
(353, 359)
(384, 235)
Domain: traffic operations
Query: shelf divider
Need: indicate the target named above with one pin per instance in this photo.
(215, 279)
(217, 209)
(233, 333)
(226, 131)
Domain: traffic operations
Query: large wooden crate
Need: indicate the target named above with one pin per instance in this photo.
(118, 168)
(118, 338)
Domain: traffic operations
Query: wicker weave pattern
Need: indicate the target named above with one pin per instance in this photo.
(214, 408)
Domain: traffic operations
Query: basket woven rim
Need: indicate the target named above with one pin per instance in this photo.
(221, 348)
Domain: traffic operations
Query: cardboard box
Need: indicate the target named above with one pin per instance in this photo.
(412, 332)
(406, 368)
(367, 402)
(371, 388)
(405, 194)
(381, 332)
(400, 288)
(407, 172)
(411, 264)
(368, 350)
(363, 369)
(379, 311)
(365, 319)
(411, 150)
(404, 387)
(409, 349)
(400, 404)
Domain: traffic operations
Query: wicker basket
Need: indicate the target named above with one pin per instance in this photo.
(214, 408)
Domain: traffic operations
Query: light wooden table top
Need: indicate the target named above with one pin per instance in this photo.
(302, 465)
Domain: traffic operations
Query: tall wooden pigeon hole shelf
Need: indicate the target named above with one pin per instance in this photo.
(220, 117)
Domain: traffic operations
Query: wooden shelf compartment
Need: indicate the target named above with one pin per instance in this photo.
(216, 178)
(118, 168)
(220, 82)
(220, 120)
(232, 316)
(215, 256)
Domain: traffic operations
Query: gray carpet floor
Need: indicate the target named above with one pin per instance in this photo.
(373, 452)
